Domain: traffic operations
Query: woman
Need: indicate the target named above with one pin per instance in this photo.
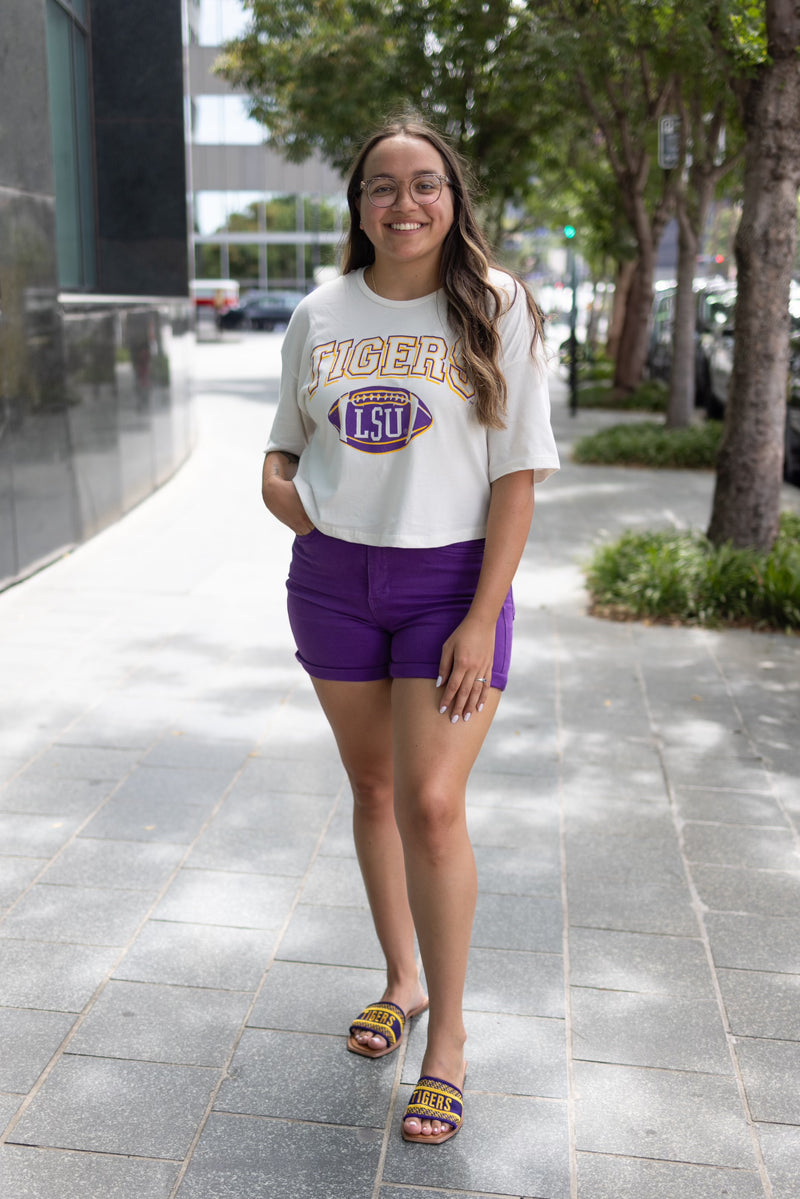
(413, 421)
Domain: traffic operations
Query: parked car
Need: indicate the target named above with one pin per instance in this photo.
(720, 358)
(659, 355)
(262, 310)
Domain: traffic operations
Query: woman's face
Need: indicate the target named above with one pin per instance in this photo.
(407, 233)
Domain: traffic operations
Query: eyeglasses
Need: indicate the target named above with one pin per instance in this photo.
(382, 191)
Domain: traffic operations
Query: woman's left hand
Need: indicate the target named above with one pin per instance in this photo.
(465, 669)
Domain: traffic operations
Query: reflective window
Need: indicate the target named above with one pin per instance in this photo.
(70, 121)
(224, 121)
(220, 21)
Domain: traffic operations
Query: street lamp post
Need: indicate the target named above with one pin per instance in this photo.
(569, 233)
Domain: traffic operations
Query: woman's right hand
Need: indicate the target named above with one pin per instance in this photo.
(280, 494)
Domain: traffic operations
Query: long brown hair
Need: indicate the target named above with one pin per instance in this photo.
(474, 306)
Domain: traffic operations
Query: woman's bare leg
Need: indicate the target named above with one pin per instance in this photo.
(360, 715)
(433, 760)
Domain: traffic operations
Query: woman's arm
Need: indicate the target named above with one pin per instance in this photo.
(280, 494)
(468, 653)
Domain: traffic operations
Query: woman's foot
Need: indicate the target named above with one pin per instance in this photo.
(435, 1091)
(450, 1067)
(410, 999)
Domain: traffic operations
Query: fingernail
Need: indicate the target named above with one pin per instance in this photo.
(467, 716)
(443, 710)
(454, 720)
(439, 681)
(480, 707)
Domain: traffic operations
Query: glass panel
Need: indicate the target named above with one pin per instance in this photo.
(220, 20)
(65, 165)
(224, 121)
(83, 129)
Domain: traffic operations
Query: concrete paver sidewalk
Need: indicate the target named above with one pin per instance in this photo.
(184, 936)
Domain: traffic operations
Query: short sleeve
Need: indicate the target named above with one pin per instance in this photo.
(292, 427)
(527, 441)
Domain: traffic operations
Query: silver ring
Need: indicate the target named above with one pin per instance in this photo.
(480, 680)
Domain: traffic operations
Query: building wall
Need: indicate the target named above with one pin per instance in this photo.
(95, 407)
(233, 169)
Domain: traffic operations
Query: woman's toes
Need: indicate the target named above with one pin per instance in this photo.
(413, 1126)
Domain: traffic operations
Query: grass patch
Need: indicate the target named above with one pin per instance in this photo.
(681, 578)
(649, 443)
(650, 396)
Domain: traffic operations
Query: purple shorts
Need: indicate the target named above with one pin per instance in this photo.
(361, 612)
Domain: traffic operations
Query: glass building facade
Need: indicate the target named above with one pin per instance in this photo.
(255, 217)
(95, 404)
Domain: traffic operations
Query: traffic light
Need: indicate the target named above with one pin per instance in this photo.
(569, 232)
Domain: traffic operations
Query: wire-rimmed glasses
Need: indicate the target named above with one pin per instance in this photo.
(383, 191)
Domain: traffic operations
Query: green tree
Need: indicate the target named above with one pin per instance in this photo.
(746, 505)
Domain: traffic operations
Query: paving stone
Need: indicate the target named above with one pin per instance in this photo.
(83, 762)
(35, 836)
(299, 1076)
(148, 820)
(755, 942)
(332, 883)
(198, 955)
(489, 1155)
(761, 1004)
(513, 828)
(84, 915)
(780, 1145)
(507, 1054)
(15, 875)
(332, 936)
(9, 1106)
(524, 984)
(174, 784)
(728, 807)
(29, 1040)
(140, 1108)
(530, 923)
(638, 907)
(739, 772)
(188, 1026)
(27, 1173)
(298, 997)
(666, 1031)
(393, 1192)
(628, 860)
(240, 1156)
(622, 961)
(527, 870)
(219, 897)
(253, 850)
(198, 753)
(737, 889)
(89, 862)
(50, 976)
(770, 1071)
(633, 1178)
(68, 798)
(535, 790)
(726, 845)
(674, 1116)
(269, 774)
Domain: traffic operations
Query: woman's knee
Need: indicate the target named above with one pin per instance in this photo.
(430, 816)
(373, 795)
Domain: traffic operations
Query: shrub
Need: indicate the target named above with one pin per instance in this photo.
(681, 577)
(649, 443)
(647, 397)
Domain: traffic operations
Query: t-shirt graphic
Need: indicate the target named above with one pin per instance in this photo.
(379, 420)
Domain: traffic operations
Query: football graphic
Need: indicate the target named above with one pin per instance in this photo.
(379, 420)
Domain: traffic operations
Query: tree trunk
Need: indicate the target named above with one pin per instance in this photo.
(622, 287)
(632, 354)
(746, 506)
(680, 404)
